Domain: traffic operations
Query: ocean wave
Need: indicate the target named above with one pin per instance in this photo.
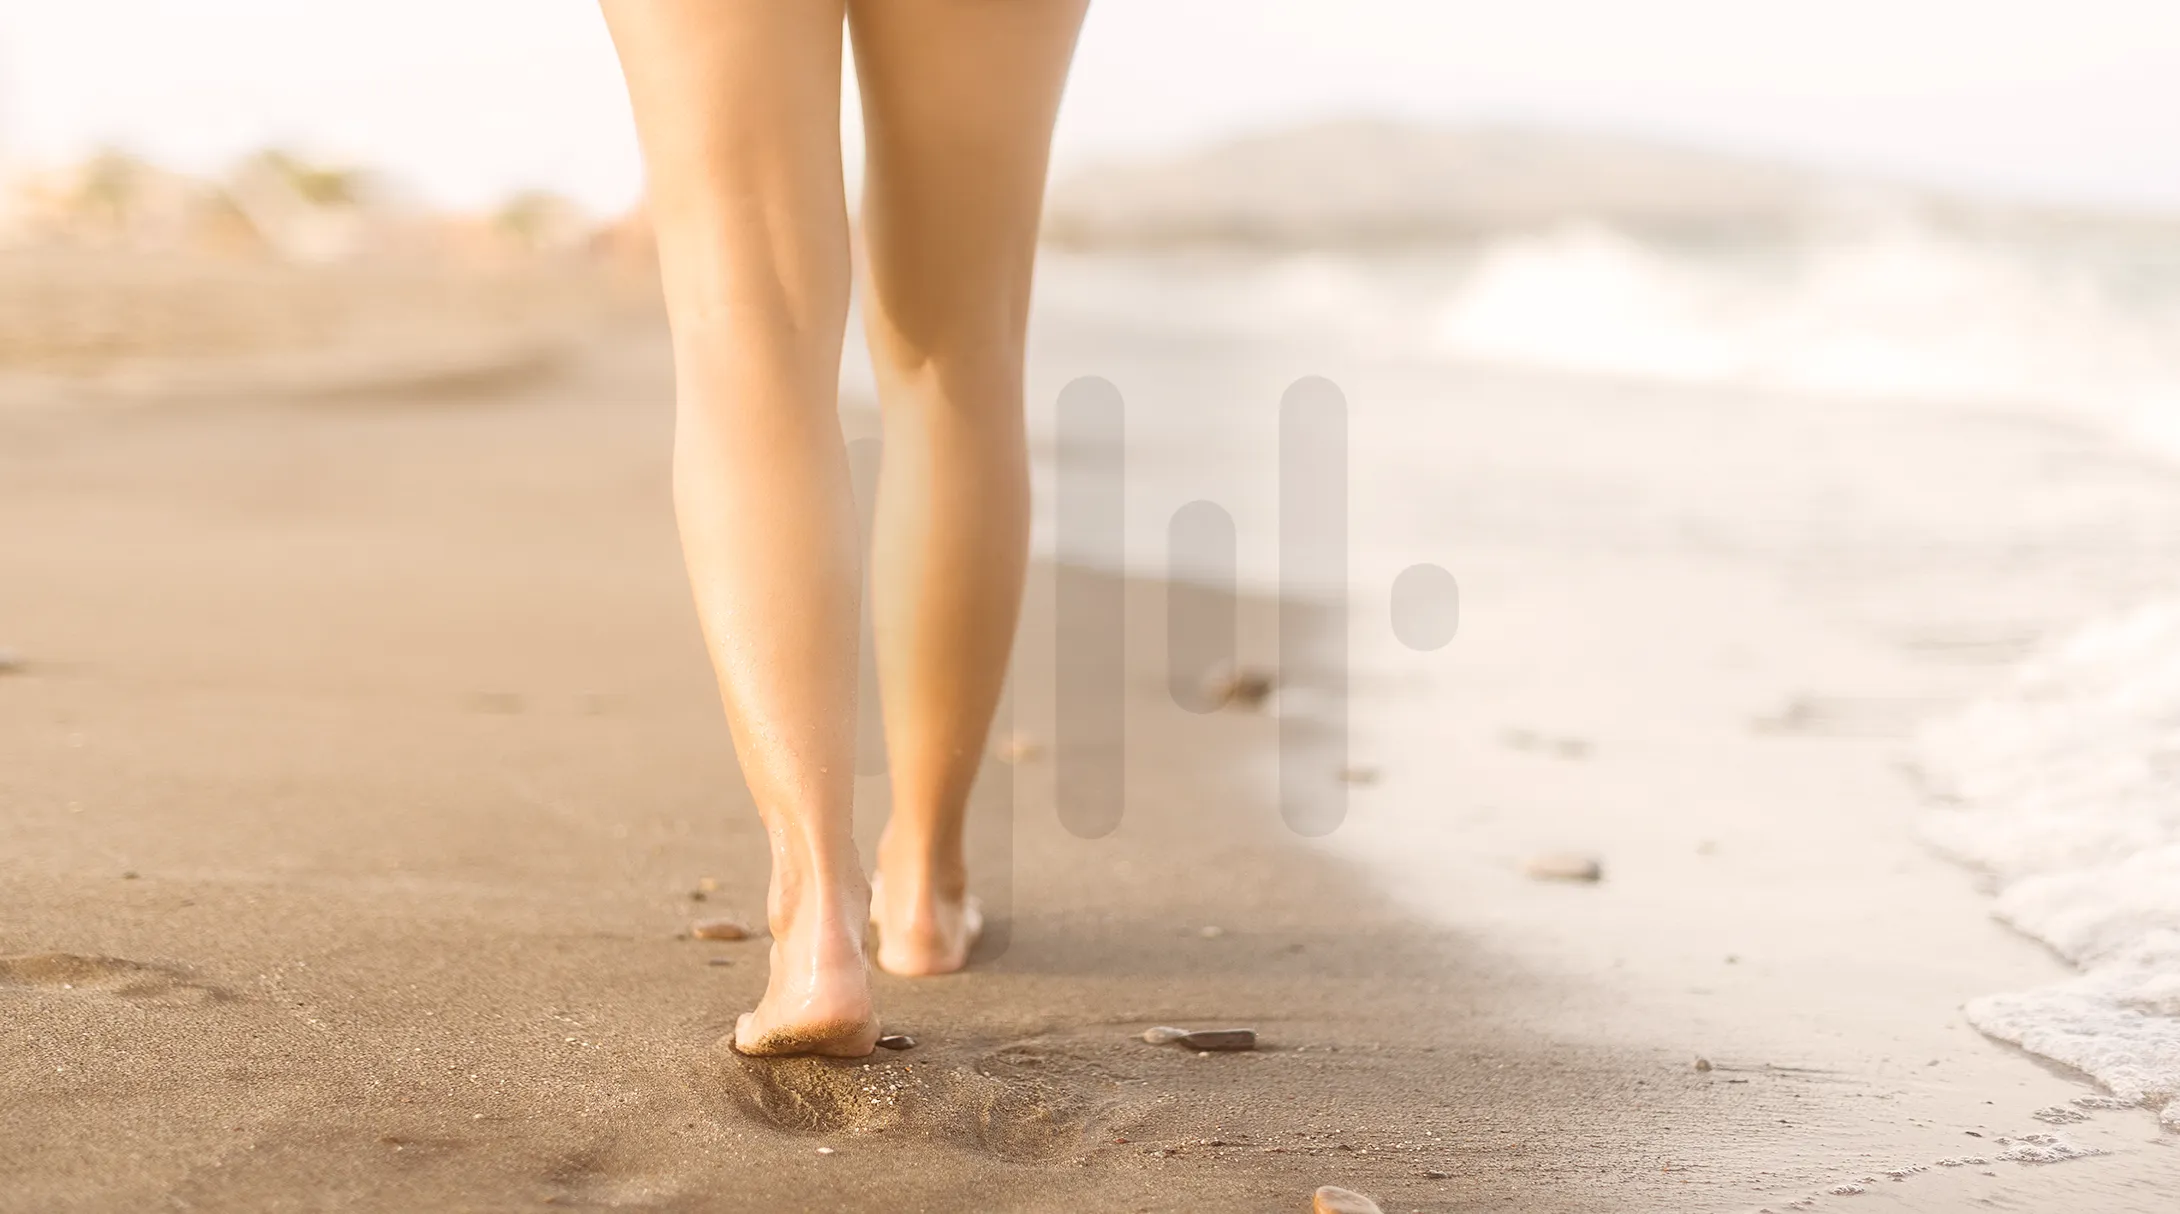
(1892, 308)
(2067, 791)
(1899, 311)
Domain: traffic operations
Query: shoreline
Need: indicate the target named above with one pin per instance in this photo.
(1701, 629)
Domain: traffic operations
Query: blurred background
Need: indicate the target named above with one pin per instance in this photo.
(1946, 197)
(470, 103)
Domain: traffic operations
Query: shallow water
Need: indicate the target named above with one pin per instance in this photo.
(2067, 786)
(1909, 456)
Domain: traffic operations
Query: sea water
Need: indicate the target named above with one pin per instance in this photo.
(2064, 787)
(2067, 791)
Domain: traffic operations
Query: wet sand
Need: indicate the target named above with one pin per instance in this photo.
(84, 326)
(1701, 627)
(363, 769)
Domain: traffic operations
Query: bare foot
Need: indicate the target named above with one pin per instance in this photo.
(923, 930)
(817, 1000)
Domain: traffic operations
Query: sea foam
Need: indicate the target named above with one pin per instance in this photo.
(1902, 310)
(2067, 791)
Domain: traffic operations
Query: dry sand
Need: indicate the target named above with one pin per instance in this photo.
(81, 325)
(363, 766)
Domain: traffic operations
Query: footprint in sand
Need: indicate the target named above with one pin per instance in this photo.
(103, 977)
(1022, 1101)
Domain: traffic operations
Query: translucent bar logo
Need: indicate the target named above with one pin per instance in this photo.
(1201, 552)
(1089, 747)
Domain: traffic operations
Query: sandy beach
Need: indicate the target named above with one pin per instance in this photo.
(361, 776)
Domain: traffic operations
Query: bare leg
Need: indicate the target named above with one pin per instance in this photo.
(737, 103)
(959, 98)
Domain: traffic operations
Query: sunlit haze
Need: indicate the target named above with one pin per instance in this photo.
(2076, 100)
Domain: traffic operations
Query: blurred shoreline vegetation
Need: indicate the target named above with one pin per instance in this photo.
(279, 204)
(117, 273)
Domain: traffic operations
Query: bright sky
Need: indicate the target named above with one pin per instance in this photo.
(469, 99)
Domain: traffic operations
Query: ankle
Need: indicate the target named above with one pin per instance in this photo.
(833, 901)
(919, 867)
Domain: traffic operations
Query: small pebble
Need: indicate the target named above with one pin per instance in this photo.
(825, 1150)
(1241, 687)
(897, 1041)
(1218, 1040)
(717, 929)
(497, 703)
(1429, 1175)
(1163, 1035)
(1211, 931)
(1703, 1064)
(720, 961)
(1565, 866)
(131, 875)
(1331, 1200)
(707, 885)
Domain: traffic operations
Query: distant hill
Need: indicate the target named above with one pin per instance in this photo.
(1362, 183)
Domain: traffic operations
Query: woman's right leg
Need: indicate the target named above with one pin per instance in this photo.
(738, 107)
(959, 98)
